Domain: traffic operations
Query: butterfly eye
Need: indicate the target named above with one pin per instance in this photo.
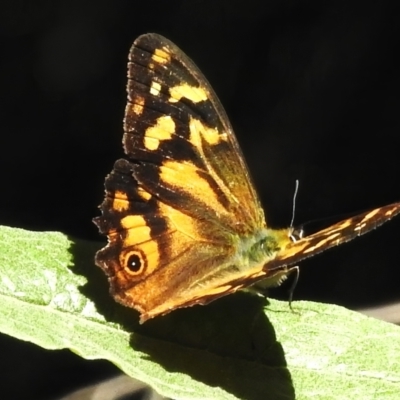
(134, 262)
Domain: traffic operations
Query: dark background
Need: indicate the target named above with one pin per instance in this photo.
(312, 91)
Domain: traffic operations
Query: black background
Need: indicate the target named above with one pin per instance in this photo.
(312, 91)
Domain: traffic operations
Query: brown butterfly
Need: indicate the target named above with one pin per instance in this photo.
(183, 219)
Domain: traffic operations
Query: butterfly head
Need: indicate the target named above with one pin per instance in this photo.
(295, 234)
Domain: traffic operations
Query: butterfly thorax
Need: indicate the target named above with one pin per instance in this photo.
(260, 248)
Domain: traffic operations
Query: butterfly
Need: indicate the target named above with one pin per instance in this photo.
(184, 223)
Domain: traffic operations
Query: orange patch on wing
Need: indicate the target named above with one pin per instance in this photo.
(120, 201)
(178, 221)
(198, 130)
(192, 93)
(162, 130)
(155, 88)
(161, 57)
(137, 229)
(184, 177)
(143, 194)
(137, 106)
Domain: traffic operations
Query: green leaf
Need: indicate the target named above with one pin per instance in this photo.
(51, 294)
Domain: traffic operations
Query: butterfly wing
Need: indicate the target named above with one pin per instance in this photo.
(175, 212)
(180, 137)
(334, 235)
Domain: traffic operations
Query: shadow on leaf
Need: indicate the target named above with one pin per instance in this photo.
(229, 343)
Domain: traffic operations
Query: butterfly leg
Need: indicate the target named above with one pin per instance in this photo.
(275, 279)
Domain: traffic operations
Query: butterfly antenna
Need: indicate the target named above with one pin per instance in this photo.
(296, 189)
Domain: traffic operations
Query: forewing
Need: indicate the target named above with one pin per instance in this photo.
(179, 136)
(334, 235)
